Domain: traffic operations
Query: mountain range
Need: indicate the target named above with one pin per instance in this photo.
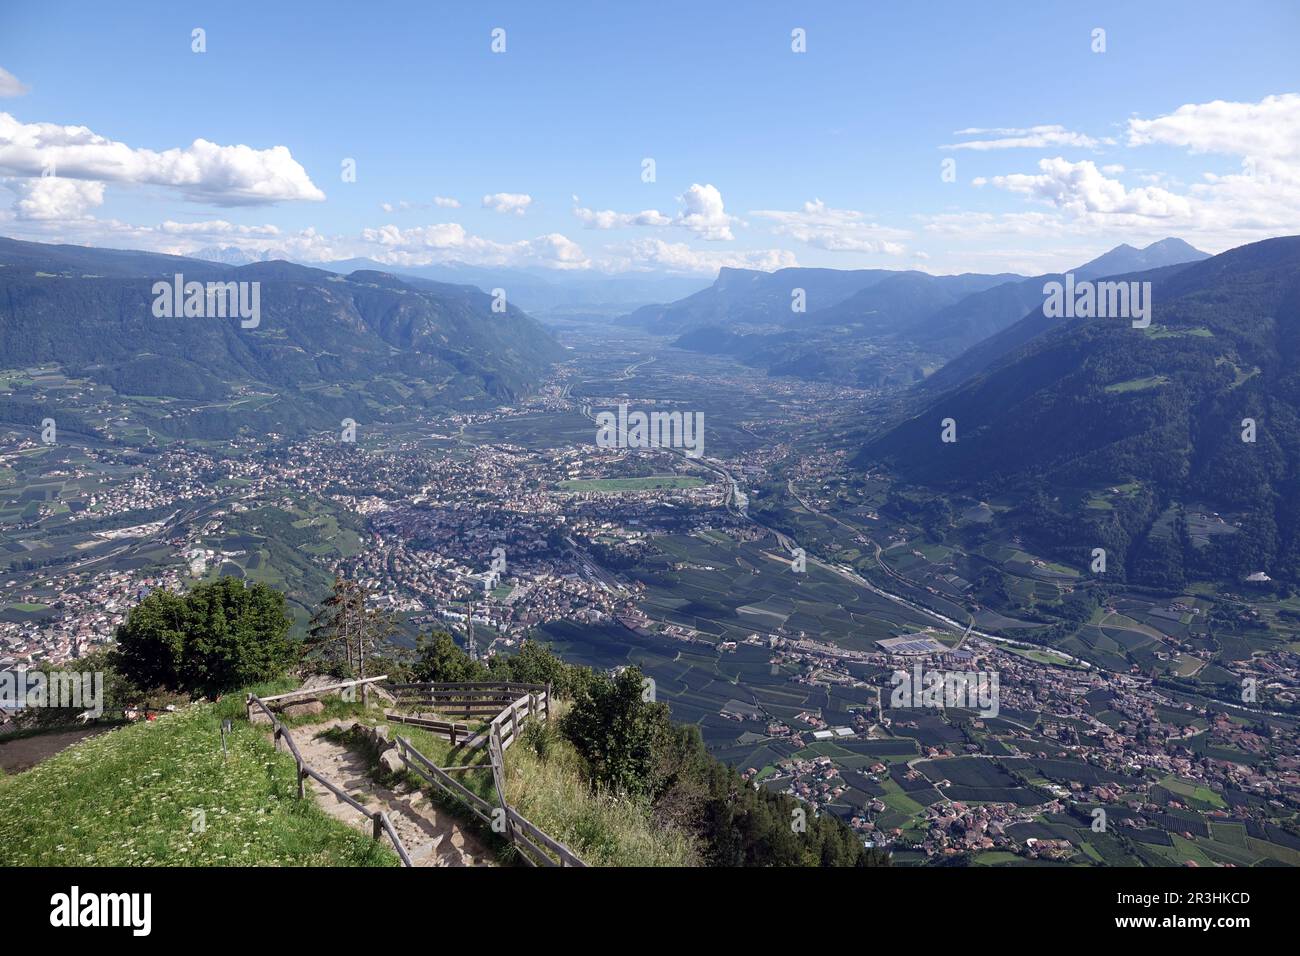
(366, 345)
(575, 293)
(1058, 414)
(867, 327)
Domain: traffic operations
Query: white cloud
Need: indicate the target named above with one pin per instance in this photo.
(836, 230)
(1218, 211)
(1263, 198)
(609, 219)
(202, 171)
(1259, 199)
(181, 238)
(643, 255)
(557, 251)
(10, 85)
(1032, 137)
(703, 213)
(1267, 130)
(54, 198)
(516, 203)
(1081, 189)
(405, 205)
(218, 228)
(438, 242)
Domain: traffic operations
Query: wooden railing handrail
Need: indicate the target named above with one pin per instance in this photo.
(470, 684)
(305, 691)
(378, 818)
(510, 711)
(501, 731)
(435, 774)
(382, 818)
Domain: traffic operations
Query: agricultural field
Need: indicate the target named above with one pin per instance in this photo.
(284, 546)
(727, 589)
(619, 485)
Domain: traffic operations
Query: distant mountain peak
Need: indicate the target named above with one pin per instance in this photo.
(1173, 242)
(1125, 258)
(233, 255)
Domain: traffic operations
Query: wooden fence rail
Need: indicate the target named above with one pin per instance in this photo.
(508, 722)
(453, 731)
(380, 822)
(435, 775)
(308, 692)
(532, 842)
(468, 685)
(511, 705)
(470, 700)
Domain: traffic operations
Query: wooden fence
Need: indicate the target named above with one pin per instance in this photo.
(506, 724)
(310, 692)
(533, 702)
(379, 819)
(480, 700)
(453, 731)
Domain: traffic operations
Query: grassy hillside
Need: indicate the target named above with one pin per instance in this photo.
(129, 798)
(545, 782)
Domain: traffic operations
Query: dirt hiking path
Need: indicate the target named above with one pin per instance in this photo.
(431, 835)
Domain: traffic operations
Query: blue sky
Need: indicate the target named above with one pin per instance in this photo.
(764, 157)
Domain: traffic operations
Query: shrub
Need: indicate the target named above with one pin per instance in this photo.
(619, 733)
(213, 638)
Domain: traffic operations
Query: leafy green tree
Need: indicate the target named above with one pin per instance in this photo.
(439, 659)
(619, 733)
(534, 663)
(151, 642)
(216, 637)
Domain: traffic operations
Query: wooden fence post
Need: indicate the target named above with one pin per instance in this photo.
(302, 777)
(497, 757)
(548, 702)
(378, 827)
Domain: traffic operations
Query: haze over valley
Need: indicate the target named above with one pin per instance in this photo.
(934, 501)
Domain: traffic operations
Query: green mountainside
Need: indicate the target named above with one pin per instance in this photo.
(326, 347)
(1095, 402)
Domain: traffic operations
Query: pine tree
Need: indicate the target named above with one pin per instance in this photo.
(334, 626)
(343, 630)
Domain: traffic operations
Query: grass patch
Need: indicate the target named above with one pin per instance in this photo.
(159, 793)
(1040, 656)
(545, 781)
(1191, 790)
(1165, 332)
